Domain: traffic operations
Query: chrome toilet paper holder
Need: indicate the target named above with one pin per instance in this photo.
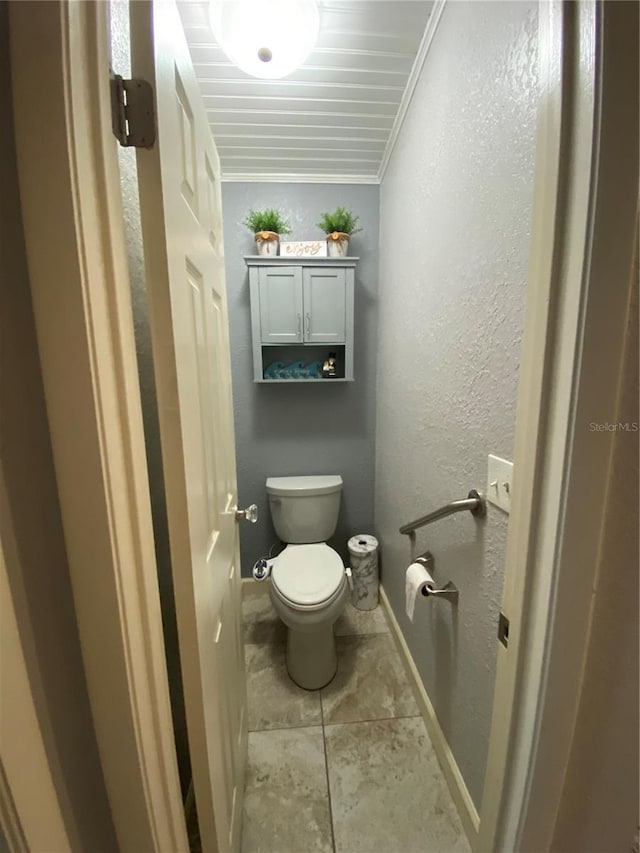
(449, 591)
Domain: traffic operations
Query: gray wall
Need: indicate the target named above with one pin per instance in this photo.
(455, 210)
(298, 429)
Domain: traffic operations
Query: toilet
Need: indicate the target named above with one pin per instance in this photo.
(309, 583)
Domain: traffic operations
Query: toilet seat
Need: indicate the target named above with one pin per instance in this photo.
(308, 577)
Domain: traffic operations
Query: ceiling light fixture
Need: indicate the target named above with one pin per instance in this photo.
(265, 38)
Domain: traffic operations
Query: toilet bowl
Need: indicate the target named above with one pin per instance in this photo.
(309, 585)
(309, 591)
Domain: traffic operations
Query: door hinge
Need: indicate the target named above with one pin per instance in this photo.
(132, 112)
(503, 630)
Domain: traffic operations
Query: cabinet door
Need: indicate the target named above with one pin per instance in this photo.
(325, 311)
(280, 291)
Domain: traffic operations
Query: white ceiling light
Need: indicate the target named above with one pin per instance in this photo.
(265, 38)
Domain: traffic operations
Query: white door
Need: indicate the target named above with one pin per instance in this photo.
(184, 259)
(325, 305)
(280, 293)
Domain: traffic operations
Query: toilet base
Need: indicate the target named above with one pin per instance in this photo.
(311, 646)
(311, 657)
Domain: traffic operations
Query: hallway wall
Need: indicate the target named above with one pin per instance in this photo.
(455, 211)
(297, 429)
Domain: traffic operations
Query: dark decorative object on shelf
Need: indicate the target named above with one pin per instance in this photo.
(329, 366)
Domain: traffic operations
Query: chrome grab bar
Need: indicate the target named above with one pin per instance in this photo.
(474, 502)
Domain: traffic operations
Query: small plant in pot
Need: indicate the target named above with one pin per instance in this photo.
(267, 225)
(338, 226)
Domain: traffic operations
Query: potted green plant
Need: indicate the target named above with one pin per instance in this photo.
(338, 226)
(267, 225)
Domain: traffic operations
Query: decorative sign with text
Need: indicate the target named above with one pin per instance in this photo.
(304, 249)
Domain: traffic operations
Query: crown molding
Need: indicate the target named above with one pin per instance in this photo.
(299, 178)
(423, 50)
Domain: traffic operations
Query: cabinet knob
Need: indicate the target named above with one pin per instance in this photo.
(307, 321)
(300, 326)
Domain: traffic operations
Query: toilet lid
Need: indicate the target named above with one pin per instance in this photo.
(307, 574)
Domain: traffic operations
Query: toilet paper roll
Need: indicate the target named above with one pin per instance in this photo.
(417, 578)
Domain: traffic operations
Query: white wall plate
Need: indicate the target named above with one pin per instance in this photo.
(500, 474)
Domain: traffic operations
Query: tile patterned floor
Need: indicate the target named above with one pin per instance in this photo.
(346, 769)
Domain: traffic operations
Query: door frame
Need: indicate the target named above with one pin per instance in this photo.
(85, 340)
(82, 306)
(579, 290)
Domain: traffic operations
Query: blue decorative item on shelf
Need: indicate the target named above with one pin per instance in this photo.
(313, 370)
(274, 370)
(295, 370)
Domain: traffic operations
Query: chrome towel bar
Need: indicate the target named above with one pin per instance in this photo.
(474, 502)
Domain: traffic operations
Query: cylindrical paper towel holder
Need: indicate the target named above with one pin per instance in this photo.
(449, 590)
(363, 551)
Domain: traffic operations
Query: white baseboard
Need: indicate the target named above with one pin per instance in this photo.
(459, 791)
(250, 586)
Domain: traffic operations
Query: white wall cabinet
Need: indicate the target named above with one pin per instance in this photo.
(301, 310)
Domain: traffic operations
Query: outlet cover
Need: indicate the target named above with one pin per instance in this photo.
(500, 474)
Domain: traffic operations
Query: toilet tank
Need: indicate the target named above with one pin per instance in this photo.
(304, 509)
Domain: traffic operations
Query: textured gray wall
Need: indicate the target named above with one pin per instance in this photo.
(455, 210)
(297, 429)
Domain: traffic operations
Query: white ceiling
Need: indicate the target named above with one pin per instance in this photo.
(333, 118)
